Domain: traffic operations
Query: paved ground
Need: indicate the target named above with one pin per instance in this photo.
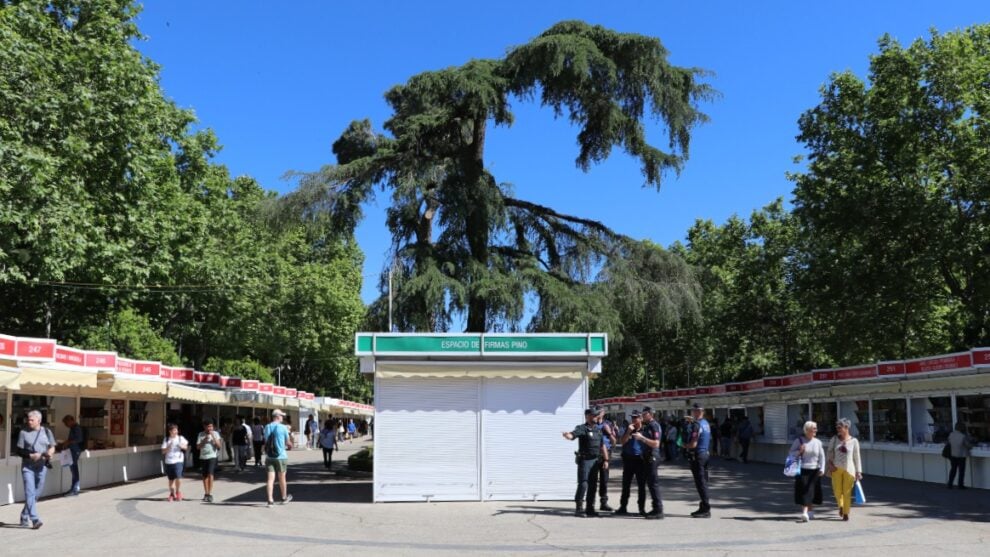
(752, 515)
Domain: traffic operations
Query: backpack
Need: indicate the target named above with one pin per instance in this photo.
(240, 436)
(271, 450)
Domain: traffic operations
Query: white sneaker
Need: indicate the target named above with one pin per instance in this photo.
(805, 517)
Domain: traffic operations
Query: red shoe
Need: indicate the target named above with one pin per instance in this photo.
(171, 497)
(178, 496)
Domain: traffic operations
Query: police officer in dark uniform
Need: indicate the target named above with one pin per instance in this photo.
(697, 451)
(633, 464)
(651, 438)
(590, 457)
(608, 436)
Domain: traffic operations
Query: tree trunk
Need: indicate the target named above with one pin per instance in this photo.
(477, 223)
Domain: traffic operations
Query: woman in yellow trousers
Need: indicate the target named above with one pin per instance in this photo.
(844, 465)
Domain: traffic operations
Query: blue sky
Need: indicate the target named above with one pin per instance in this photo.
(279, 81)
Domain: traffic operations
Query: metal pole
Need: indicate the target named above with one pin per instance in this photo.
(390, 297)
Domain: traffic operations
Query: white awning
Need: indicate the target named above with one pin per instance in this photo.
(192, 394)
(57, 377)
(9, 376)
(129, 385)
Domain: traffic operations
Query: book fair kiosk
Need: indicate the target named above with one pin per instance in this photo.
(123, 404)
(901, 411)
(452, 409)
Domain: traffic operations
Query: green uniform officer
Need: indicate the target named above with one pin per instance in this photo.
(590, 459)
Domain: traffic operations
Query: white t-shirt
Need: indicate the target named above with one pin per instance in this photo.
(174, 455)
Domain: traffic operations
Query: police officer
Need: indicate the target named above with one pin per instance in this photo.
(697, 450)
(608, 436)
(651, 438)
(633, 464)
(590, 457)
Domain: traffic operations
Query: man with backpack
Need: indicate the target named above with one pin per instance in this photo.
(277, 442)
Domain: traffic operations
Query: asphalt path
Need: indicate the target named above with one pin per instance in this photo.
(331, 511)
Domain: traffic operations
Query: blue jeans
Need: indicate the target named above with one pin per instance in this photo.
(74, 468)
(34, 484)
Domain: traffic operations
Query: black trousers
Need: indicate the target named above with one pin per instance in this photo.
(960, 465)
(587, 482)
(633, 467)
(652, 475)
(327, 454)
(258, 445)
(603, 484)
(744, 454)
(699, 469)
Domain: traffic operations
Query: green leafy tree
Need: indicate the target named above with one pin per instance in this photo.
(464, 243)
(129, 333)
(893, 206)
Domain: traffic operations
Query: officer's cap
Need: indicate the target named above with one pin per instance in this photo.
(647, 409)
(597, 410)
(590, 412)
(635, 414)
(697, 406)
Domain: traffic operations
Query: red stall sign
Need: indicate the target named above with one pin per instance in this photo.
(183, 374)
(207, 378)
(125, 366)
(35, 349)
(250, 384)
(981, 356)
(291, 392)
(858, 372)
(890, 368)
(231, 382)
(8, 346)
(266, 387)
(70, 356)
(948, 362)
(148, 368)
(279, 391)
(101, 360)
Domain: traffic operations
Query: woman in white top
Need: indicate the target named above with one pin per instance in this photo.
(844, 465)
(808, 485)
(174, 449)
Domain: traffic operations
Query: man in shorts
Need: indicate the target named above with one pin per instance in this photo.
(209, 444)
(277, 442)
(174, 449)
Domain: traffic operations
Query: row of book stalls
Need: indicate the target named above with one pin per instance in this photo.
(124, 404)
(901, 411)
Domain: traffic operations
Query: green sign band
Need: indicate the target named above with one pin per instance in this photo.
(367, 344)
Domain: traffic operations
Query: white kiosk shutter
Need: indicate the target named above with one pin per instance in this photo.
(525, 456)
(432, 432)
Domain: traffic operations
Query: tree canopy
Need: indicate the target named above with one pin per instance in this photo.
(118, 231)
(464, 243)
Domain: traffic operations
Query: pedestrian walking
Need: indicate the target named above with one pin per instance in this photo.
(589, 457)
(209, 444)
(340, 431)
(277, 443)
(633, 465)
(174, 449)
(75, 444)
(257, 439)
(697, 450)
(608, 436)
(745, 435)
(725, 443)
(844, 465)
(309, 429)
(351, 431)
(241, 441)
(35, 446)
(652, 432)
(808, 484)
(959, 451)
(328, 442)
